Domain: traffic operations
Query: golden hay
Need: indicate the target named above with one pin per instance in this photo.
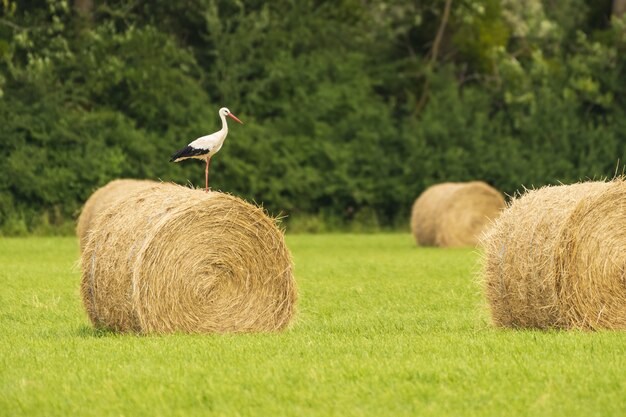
(171, 259)
(557, 258)
(454, 214)
(102, 199)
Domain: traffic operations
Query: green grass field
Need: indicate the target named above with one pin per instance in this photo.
(384, 329)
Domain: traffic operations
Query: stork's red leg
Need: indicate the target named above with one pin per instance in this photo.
(206, 176)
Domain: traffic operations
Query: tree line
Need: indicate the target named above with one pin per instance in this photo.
(352, 107)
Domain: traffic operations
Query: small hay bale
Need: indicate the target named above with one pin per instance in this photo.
(454, 214)
(556, 258)
(173, 259)
(102, 199)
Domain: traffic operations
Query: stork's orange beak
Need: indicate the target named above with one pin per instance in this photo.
(235, 117)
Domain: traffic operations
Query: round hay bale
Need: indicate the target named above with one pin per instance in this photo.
(454, 214)
(102, 199)
(556, 258)
(173, 259)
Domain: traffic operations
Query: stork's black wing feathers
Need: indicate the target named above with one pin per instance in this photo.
(188, 152)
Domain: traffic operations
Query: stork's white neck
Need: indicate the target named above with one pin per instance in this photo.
(224, 124)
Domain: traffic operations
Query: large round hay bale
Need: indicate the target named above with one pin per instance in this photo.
(102, 199)
(169, 259)
(454, 214)
(556, 258)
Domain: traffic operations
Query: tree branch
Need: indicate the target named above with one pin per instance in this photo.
(434, 52)
(10, 24)
(440, 31)
(619, 8)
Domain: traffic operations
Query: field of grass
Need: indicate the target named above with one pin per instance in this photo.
(384, 329)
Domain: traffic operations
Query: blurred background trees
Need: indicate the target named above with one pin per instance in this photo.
(352, 107)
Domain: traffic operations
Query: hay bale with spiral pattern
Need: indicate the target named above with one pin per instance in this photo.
(173, 259)
(454, 214)
(102, 199)
(556, 258)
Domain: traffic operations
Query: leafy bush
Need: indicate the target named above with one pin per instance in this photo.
(349, 112)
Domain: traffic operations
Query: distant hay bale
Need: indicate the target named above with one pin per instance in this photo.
(557, 259)
(454, 214)
(102, 199)
(173, 259)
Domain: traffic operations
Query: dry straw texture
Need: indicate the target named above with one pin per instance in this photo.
(556, 258)
(172, 259)
(102, 199)
(454, 214)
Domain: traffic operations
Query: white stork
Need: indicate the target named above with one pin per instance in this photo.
(206, 146)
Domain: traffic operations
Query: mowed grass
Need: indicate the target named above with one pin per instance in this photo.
(384, 329)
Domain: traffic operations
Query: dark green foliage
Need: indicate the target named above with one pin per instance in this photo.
(329, 91)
